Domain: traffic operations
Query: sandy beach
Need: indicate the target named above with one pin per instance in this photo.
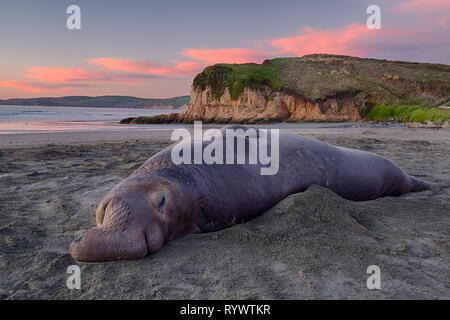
(312, 245)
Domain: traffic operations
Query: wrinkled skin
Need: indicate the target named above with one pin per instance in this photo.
(161, 201)
(136, 218)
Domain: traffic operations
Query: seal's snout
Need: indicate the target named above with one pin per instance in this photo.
(97, 245)
(114, 237)
(126, 230)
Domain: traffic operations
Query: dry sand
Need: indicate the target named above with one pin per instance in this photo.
(312, 245)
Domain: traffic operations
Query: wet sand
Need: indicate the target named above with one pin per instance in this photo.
(312, 245)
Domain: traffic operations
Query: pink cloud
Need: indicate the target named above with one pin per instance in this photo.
(130, 65)
(32, 87)
(435, 11)
(76, 76)
(354, 39)
(226, 55)
(186, 68)
(61, 75)
(421, 6)
(333, 41)
(178, 69)
(201, 59)
(444, 21)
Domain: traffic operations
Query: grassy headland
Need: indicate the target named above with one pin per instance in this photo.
(319, 76)
(370, 89)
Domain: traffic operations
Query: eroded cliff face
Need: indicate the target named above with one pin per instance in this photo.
(256, 106)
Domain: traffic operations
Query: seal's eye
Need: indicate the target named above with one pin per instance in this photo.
(162, 202)
(158, 200)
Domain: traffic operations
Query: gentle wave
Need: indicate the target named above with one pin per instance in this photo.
(30, 119)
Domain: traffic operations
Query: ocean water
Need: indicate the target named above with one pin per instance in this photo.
(33, 119)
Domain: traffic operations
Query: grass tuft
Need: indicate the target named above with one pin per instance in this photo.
(408, 113)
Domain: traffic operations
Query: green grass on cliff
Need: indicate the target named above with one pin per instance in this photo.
(236, 77)
(408, 113)
(320, 76)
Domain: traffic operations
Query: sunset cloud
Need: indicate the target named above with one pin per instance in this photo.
(57, 80)
(61, 75)
(72, 75)
(189, 67)
(33, 87)
(201, 59)
(434, 11)
(354, 40)
(333, 41)
(130, 65)
(421, 6)
(178, 69)
(226, 55)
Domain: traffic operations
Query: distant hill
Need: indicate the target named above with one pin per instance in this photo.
(102, 101)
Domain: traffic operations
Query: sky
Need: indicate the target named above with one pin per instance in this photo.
(153, 49)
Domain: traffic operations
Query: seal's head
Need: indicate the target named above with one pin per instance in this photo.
(133, 220)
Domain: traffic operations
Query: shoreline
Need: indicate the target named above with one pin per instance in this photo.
(30, 140)
(163, 132)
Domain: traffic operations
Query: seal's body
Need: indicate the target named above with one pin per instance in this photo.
(161, 201)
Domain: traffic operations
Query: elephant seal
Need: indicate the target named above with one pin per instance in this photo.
(161, 200)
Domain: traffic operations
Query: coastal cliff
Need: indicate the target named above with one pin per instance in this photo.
(253, 106)
(311, 88)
